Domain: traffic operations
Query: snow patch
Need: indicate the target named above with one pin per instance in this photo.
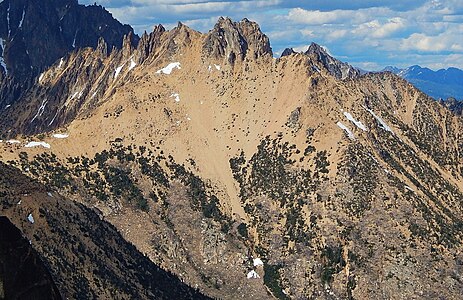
(253, 275)
(37, 144)
(132, 64)
(50, 194)
(175, 96)
(40, 111)
(217, 67)
(22, 19)
(60, 135)
(54, 117)
(409, 188)
(380, 121)
(30, 218)
(9, 105)
(347, 130)
(117, 71)
(13, 142)
(61, 61)
(170, 67)
(258, 262)
(8, 19)
(74, 41)
(353, 120)
(3, 64)
(41, 77)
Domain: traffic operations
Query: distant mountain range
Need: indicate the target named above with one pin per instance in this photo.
(443, 83)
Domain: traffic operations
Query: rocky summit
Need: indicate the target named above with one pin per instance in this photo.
(199, 164)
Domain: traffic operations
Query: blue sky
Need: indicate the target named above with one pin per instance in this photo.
(369, 34)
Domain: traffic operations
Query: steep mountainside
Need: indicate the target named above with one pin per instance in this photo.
(87, 257)
(22, 273)
(440, 84)
(34, 34)
(249, 176)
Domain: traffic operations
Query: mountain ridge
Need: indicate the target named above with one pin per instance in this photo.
(440, 84)
(250, 176)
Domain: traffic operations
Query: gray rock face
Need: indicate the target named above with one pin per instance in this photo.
(337, 68)
(235, 41)
(35, 33)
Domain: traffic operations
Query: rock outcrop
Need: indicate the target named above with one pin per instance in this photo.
(234, 41)
(337, 68)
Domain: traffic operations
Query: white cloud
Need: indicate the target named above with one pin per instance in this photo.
(443, 42)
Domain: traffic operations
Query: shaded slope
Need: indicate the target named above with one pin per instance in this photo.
(22, 273)
(87, 258)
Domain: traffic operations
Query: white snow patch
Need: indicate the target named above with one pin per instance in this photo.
(353, 120)
(61, 135)
(7, 106)
(175, 96)
(253, 275)
(50, 194)
(117, 71)
(347, 130)
(74, 41)
(170, 67)
(19, 202)
(381, 121)
(40, 110)
(258, 262)
(8, 19)
(41, 77)
(61, 61)
(54, 117)
(30, 218)
(132, 64)
(217, 67)
(13, 142)
(209, 68)
(22, 19)
(3, 64)
(36, 144)
(409, 188)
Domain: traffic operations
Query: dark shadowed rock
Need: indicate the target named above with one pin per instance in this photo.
(22, 273)
(288, 52)
(35, 33)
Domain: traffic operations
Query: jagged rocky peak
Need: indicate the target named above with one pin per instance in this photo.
(288, 52)
(102, 48)
(36, 33)
(149, 42)
(335, 67)
(236, 40)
